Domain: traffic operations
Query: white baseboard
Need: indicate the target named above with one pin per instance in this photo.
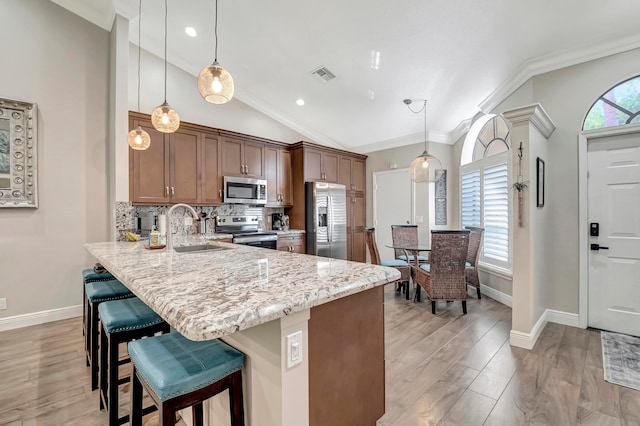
(564, 318)
(42, 317)
(496, 295)
(528, 340)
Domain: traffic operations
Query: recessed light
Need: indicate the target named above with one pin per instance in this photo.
(300, 102)
(191, 32)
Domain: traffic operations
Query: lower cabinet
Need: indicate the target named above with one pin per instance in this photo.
(293, 243)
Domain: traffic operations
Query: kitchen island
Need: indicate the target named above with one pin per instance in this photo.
(262, 302)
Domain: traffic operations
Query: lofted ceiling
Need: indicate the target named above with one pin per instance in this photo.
(463, 56)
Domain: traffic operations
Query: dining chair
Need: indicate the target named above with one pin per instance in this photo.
(443, 278)
(400, 265)
(476, 238)
(405, 235)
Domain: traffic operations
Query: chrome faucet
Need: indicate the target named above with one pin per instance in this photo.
(189, 208)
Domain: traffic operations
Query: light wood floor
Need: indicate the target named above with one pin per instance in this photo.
(441, 369)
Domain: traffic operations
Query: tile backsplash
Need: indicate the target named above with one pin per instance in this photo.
(126, 215)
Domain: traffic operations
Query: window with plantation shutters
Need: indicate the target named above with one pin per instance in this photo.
(471, 199)
(495, 213)
(485, 203)
(484, 191)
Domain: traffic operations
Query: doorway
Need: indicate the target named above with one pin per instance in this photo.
(610, 235)
(393, 204)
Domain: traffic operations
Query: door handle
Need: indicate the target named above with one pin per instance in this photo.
(597, 247)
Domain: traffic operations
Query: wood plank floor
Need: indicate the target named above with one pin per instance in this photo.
(447, 368)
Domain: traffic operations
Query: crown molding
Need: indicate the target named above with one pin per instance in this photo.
(548, 63)
(532, 113)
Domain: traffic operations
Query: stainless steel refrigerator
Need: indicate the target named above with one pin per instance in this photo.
(326, 219)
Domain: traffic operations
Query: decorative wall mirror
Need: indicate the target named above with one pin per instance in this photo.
(18, 152)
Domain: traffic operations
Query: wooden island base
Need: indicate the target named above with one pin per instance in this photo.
(341, 378)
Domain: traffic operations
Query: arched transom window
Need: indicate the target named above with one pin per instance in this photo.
(617, 107)
(485, 187)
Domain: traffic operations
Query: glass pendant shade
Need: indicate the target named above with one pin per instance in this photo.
(139, 139)
(215, 84)
(165, 119)
(423, 168)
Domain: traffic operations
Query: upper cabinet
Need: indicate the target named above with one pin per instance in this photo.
(352, 173)
(320, 165)
(164, 173)
(278, 175)
(241, 158)
(188, 166)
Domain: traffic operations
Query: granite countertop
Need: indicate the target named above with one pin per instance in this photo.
(289, 231)
(211, 294)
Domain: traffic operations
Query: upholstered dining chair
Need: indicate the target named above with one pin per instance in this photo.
(405, 235)
(400, 265)
(476, 237)
(443, 278)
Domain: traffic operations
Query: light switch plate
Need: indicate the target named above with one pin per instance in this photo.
(188, 221)
(3, 303)
(419, 219)
(294, 349)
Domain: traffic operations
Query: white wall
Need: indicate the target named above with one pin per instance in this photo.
(402, 158)
(61, 62)
(567, 95)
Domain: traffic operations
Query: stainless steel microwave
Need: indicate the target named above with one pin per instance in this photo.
(241, 190)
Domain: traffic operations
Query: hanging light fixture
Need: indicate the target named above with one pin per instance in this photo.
(423, 168)
(164, 118)
(215, 84)
(139, 139)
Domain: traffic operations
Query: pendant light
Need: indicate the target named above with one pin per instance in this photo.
(139, 139)
(215, 84)
(423, 168)
(164, 118)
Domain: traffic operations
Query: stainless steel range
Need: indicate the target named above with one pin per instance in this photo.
(245, 230)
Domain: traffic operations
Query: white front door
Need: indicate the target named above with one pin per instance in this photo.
(392, 205)
(614, 205)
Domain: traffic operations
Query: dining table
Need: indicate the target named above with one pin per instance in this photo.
(411, 250)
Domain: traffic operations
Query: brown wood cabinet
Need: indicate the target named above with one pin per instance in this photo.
(241, 158)
(211, 179)
(352, 173)
(308, 162)
(320, 165)
(294, 243)
(165, 173)
(277, 166)
(356, 222)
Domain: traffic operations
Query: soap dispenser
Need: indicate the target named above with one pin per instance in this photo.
(154, 238)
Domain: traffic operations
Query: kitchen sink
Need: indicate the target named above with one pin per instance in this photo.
(200, 248)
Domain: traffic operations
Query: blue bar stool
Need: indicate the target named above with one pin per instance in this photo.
(90, 276)
(98, 292)
(178, 373)
(122, 321)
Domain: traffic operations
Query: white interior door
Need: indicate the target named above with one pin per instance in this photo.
(614, 204)
(392, 205)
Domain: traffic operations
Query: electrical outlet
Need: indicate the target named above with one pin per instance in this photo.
(294, 349)
(188, 221)
(3, 303)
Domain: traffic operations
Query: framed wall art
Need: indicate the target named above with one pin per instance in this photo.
(540, 182)
(18, 152)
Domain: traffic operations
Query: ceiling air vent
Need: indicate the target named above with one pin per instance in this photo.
(323, 74)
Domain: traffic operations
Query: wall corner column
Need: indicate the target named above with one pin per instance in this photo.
(531, 126)
(118, 149)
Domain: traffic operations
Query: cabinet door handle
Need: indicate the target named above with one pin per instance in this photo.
(166, 191)
(220, 192)
(173, 190)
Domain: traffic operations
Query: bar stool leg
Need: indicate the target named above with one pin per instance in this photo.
(136, 399)
(196, 410)
(112, 386)
(235, 399)
(93, 333)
